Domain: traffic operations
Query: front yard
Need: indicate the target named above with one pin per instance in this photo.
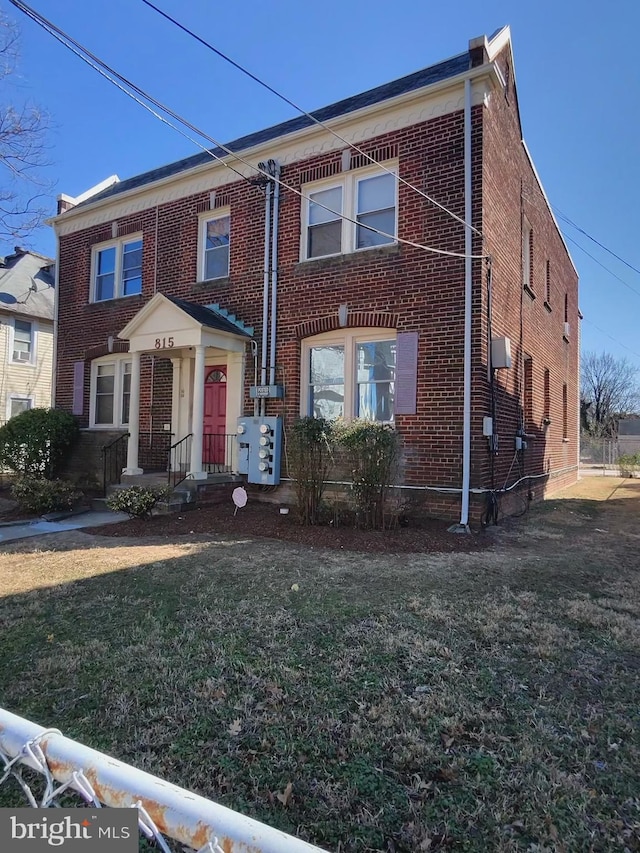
(483, 701)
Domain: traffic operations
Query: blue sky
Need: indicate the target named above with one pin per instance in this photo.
(577, 74)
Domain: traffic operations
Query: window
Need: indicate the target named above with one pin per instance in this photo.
(528, 391)
(16, 405)
(214, 247)
(110, 393)
(547, 396)
(565, 419)
(23, 349)
(527, 256)
(367, 197)
(350, 375)
(547, 289)
(117, 270)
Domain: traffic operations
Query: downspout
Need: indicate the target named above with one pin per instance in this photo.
(56, 286)
(265, 289)
(463, 527)
(274, 272)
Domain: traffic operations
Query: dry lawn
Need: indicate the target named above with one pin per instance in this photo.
(486, 701)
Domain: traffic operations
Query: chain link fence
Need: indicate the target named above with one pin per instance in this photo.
(46, 769)
(599, 452)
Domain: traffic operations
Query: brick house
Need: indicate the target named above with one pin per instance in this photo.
(311, 281)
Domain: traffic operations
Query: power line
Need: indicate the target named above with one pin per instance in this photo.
(611, 338)
(566, 219)
(304, 112)
(593, 258)
(105, 70)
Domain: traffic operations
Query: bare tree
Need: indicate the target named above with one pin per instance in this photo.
(609, 390)
(23, 144)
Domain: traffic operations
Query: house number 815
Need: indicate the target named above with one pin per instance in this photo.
(164, 343)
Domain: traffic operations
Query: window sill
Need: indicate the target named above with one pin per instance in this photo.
(565, 441)
(210, 282)
(528, 291)
(565, 339)
(348, 257)
(115, 299)
(547, 306)
(22, 363)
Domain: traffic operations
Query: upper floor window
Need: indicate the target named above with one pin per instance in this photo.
(117, 269)
(110, 393)
(527, 255)
(23, 348)
(350, 374)
(358, 210)
(214, 247)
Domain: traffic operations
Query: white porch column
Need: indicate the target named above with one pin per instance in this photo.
(196, 472)
(134, 417)
(176, 364)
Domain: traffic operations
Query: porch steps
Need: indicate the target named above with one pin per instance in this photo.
(217, 488)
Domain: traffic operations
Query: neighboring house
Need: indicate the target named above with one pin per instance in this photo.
(181, 315)
(26, 331)
(629, 435)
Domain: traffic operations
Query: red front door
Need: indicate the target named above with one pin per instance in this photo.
(215, 421)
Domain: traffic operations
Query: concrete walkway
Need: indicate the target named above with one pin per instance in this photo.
(41, 526)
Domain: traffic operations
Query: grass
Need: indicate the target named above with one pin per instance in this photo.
(482, 702)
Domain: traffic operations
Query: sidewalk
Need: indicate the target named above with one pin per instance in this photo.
(24, 529)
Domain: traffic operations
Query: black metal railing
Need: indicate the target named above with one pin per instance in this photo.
(152, 450)
(178, 460)
(114, 459)
(217, 452)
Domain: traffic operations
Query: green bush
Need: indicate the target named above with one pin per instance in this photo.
(136, 501)
(309, 458)
(629, 464)
(372, 451)
(37, 495)
(35, 443)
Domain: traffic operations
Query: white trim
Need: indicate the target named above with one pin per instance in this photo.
(118, 245)
(348, 338)
(33, 354)
(348, 182)
(118, 360)
(203, 219)
(17, 396)
(437, 99)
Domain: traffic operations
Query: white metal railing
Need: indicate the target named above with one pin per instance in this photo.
(165, 811)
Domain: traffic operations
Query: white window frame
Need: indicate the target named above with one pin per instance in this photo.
(349, 339)
(118, 245)
(349, 182)
(119, 363)
(203, 219)
(25, 397)
(32, 354)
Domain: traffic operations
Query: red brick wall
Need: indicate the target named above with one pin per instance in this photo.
(424, 291)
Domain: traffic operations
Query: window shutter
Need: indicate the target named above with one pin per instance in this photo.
(406, 373)
(78, 388)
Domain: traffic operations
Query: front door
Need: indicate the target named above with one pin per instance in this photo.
(215, 416)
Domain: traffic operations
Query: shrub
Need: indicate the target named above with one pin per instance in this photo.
(372, 452)
(629, 464)
(38, 495)
(136, 501)
(35, 443)
(309, 458)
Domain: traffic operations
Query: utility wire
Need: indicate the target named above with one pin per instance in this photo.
(566, 219)
(611, 338)
(611, 272)
(105, 70)
(304, 112)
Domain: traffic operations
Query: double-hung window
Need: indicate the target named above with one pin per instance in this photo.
(350, 374)
(23, 349)
(110, 393)
(117, 269)
(357, 210)
(214, 246)
(17, 405)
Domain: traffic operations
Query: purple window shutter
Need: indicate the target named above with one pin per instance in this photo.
(78, 388)
(406, 373)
